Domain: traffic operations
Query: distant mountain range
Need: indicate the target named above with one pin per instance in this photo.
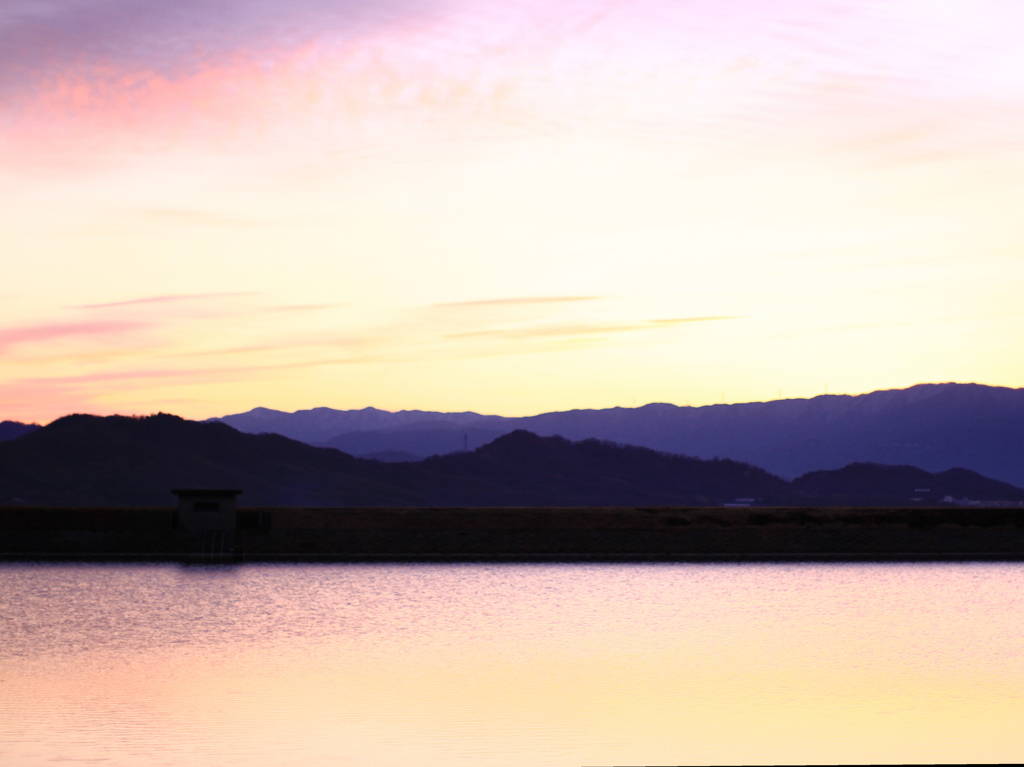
(931, 426)
(83, 460)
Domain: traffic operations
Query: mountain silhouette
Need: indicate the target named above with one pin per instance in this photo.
(531, 470)
(931, 426)
(120, 460)
(861, 483)
(82, 460)
(14, 429)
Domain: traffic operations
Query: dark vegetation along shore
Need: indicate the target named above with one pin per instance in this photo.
(99, 488)
(544, 534)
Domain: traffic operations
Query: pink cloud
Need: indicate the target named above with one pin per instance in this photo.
(43, 399)
(162, 300)
(82, 79)
(54, 331)
(144, 38)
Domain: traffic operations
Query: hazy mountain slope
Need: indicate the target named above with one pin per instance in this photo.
(14, 429)
(319, 425)
(418, 440)
(931, 426)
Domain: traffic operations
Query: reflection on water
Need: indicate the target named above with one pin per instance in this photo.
(501, 664)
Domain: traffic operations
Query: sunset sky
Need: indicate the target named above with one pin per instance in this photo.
(508, 206)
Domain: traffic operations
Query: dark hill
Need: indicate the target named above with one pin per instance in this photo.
(529, 470)
(118, 460)
(84, 460)
(871, 483)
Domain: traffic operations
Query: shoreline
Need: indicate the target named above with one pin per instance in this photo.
(586, 534)
(185, 560)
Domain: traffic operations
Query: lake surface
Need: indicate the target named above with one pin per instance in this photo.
(502, 665)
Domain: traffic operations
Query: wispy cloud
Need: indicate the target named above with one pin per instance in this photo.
(166, 299)
(44, 398)
(687, 320)
(524, 301)
(300, 308)
(111, 334)
(46, 332)
(604, 329)
(141, 352)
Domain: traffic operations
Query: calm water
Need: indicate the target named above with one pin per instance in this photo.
(511, 665)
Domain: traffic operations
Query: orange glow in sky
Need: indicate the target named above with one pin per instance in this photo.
(508, 207)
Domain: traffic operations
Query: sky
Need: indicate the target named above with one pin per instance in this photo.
(507, 206)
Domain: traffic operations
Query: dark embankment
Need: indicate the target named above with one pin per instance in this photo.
(541, 534)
